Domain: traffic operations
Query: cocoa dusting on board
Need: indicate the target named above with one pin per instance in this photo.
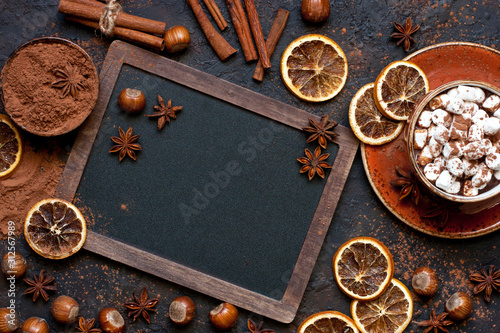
(35, 179)
(34, 95)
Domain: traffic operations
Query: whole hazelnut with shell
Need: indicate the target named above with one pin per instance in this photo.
(425, 281)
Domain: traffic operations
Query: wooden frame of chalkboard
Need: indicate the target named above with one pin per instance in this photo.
(284, 309)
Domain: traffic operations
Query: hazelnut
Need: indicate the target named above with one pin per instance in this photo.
(425, 281)
(14, 264)
(35, 325)
(315, 10)
(111, 321)
(65, 310)
(131, 100)
(224, 316)
(181, 310)
(9, 321)
(176, 39)
(459, 306)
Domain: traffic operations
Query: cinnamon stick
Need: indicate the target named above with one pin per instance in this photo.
(218, 43)
(272, 40)
(134, 36)
(257, 32)
(94, 12)
(216, 14)
(242, 28)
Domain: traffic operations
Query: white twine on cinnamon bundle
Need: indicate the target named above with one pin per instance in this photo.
(109, 16)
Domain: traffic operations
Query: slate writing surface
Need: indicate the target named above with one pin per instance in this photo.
(218, 189)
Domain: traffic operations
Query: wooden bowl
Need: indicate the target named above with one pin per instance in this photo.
(30, 92)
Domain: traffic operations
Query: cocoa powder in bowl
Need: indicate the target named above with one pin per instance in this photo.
(50, 85)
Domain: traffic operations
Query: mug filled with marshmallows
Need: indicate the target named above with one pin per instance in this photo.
(453, 142)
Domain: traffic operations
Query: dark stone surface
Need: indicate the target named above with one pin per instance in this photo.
(362, 29)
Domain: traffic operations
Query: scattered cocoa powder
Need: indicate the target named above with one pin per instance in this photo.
(35, 179)
(31, 100)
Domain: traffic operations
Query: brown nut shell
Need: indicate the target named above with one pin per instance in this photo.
(315, 11)
(14, 264)
(181, 310)
(111, 321)
(176, 38)
(35, 325)
(65, 310)
(425, 281)
(9, 321)
(224, 316)
(459, 306)
(131, 100)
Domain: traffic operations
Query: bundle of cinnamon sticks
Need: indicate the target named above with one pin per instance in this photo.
(129, 27)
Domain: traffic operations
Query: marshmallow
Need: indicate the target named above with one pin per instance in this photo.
(431, 130)
(473, 151)
(455, 167)
(470, 108)
(445, 180)
(479, 117)
(491, 126)
(486, 146)
(471, 167)
(470, 94)
(432, 171)
(463, 118)
(441, 134)
(492, 103)
(475, 133)
(425, 119)
(425, 157)
(420, 138)
(493, 161)
(469, 190)
(455, 187)
(435, 147)
(453, 149)
(497, 174)
(482, 178)
(441, 117)
(439, 102)
(453, 92)
(458, 131)
(455, 106)
(440, 162)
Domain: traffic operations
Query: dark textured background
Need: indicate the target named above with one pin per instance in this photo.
(362, 29)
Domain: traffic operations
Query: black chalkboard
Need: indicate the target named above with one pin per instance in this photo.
(216, 191)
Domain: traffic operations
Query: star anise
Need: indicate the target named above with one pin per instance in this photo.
(86, 326)
(164, 112)
(321, 131)
(68, 80)
(314, 164)
(125, 144)
(404, 33)
(487, 280)
(141, 306)
(438, 211)
(40, 285)
(436, 322)
(408, 184)
(257, 329)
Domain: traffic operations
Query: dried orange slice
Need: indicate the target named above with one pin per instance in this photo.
(328, 322)
(11, 146)
(55, 228)
(399, 88)
(363, 268)
(390, 313)
(314, 68)
(368, 124)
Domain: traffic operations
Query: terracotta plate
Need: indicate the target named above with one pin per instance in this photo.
(441, 63)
